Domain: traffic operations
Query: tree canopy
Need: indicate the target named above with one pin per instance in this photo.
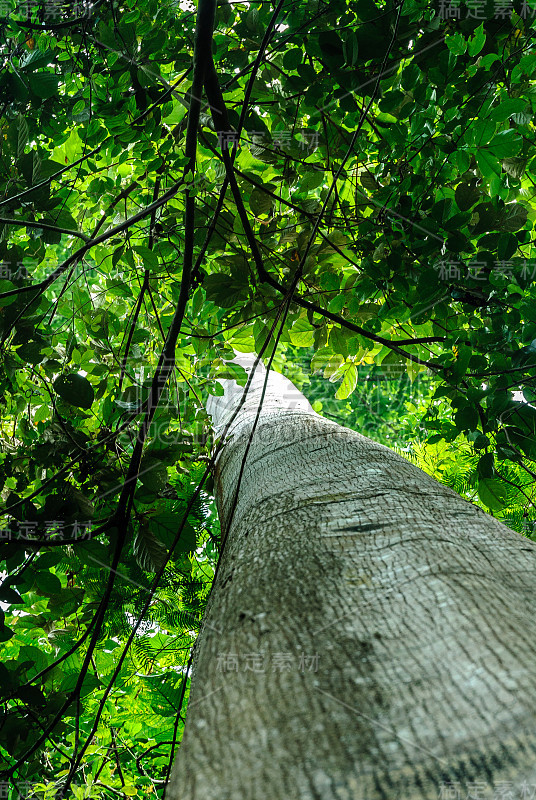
(345, 188)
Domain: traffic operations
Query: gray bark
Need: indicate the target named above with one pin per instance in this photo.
(404, 614)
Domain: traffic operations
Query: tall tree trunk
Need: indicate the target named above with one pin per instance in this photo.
(370, 634)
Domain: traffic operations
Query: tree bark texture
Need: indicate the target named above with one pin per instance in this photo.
(370, 634)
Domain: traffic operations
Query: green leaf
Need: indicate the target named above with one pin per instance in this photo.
(153, 474)
(149, 257)
(507, 246)
(368, 180)
(507, 108)
(459, 367)
(165, 527)
(223, 290)
(462, 160)
(351, 48)
(515, 166)
(505, 144)
(67, 600)
(456, 243)
(6, 286)
(70, 681)
(482, 131)
(488, 164)
(32, 695)
(31, 352)
(22, 135)
(456, 44)
(292, 58)
(9, 595)
(44, 84)
(75, 389)
(302, 333)
(47, 583)
(487, 60)
(5, 633)
(243, 340)
(466, 418)
(493, 493)
(485, 467)
(349, 381)
(148, 549)
(513, 217)
(311, 180)
(260, 202)
(338, 341)
(466, 196)
(477, 41)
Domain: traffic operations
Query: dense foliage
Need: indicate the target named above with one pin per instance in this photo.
(349, 192)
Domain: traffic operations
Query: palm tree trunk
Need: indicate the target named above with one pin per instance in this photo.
(370, 634)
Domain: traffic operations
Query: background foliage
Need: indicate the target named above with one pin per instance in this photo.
(361, 190)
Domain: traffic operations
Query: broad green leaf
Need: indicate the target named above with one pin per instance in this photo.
(153, 474)
(148, 257)
(505, 144)
(8, 594)
(349, 381)
(456, 44)
(477, 41)
(466, 196)
(488, 163)
(466, 418)
(302, 333)
(166, 526)
(6, 286)
(513, 217)
(492, 492)
(260, 202)
(507, 108)
(149, 551)
(223, 290)
(75, 389)
(47, 583)
(44, 84)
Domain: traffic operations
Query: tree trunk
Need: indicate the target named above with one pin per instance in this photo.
(369, 635)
